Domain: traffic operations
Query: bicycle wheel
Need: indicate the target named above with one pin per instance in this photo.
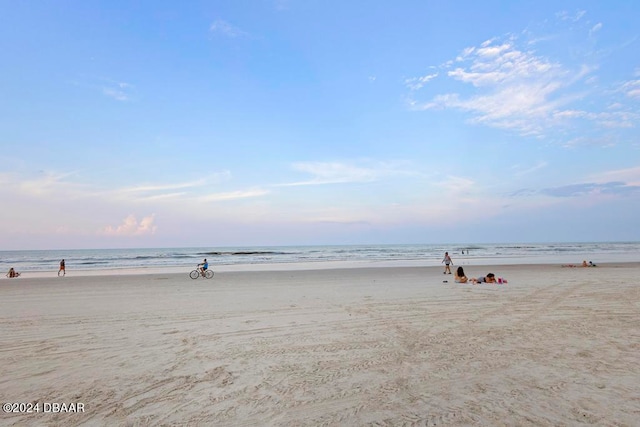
(208, 274)
(194, 274)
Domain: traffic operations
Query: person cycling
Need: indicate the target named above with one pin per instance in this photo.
(203, 267)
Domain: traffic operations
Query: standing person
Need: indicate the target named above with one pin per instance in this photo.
(447, 260)
(62, 268)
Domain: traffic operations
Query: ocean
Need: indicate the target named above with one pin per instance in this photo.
(427, 255)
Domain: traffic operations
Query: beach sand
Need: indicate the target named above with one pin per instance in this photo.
(337, 347)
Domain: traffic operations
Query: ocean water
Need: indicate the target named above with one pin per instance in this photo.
(427, 255)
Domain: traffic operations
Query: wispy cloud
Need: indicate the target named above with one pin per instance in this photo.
(595, 29)
(628, 183)
(631, 88)
(46, 183)
(120, 91)
(456, 185)
(168, 190)
(505, 83)
(233, 195)
(515, 89)
(114, 89)
(520, 171)
(416, 83)
(339, 173)
(631, 176)
(163, 187)
(571, 16)
(226, 29)
(590, 188)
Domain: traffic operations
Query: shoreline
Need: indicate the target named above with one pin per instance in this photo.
(304, 266)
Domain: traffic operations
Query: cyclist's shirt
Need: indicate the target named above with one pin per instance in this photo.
(205, 265)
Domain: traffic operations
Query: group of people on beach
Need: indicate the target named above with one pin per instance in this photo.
(584, 264)
(460, 277)
(12, 273)
(61, 271)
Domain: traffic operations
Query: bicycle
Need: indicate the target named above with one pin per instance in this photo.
(208, 274)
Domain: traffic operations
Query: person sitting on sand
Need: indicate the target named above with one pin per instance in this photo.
(489, 278)
(584, 264)
(12, 273)
(459, 276)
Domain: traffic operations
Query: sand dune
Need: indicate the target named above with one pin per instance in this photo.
(358, 346)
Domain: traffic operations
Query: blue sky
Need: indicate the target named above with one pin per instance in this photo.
(277, 122)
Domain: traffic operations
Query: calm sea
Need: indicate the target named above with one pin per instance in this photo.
(427, 255)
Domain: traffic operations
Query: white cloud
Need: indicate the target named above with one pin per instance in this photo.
(163, 187)
(47, 183)
(416, 83)
(630, 176)
(168, 191)
(595, 29)
(338, 173)
(120, 91)
(519, 171)
(569, 16)
(233, 195)
(507, 84)
(516, 88)
(130, 226)
(631, 88)
(456, 185)
(226, 29)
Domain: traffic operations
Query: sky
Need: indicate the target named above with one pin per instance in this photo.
(158, 123)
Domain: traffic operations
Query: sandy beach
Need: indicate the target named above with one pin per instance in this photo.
(381, 346)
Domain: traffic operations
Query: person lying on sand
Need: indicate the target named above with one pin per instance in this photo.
(584, 264)
(489, 278)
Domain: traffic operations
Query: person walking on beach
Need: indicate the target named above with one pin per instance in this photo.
(447, 260)
(62, 268)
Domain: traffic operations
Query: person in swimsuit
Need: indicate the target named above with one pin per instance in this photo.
(12, 273)
(460, 276)
(62, 268)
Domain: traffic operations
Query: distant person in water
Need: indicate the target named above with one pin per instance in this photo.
(12, 273)
(447, 261)
(62, 268)
(460, 276)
